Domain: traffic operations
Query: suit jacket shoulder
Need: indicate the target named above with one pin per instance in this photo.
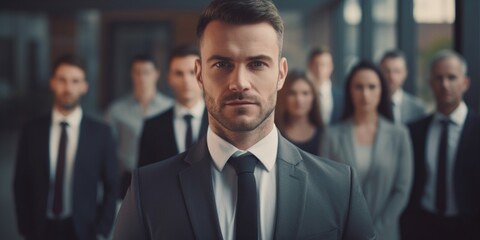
(316, 198)
(157, 140)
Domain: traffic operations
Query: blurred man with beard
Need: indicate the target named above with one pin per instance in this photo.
(405, 107)
(175, 130)
(445, 196)
(64, 160)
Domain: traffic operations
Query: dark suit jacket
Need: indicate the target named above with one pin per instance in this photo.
(174, 199)
(94, 162)
(157, 141)
(466, 166)
(338, 104)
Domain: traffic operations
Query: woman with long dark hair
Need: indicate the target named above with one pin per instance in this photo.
(378, 150)
(297, 113)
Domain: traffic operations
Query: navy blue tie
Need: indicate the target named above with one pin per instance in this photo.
(60, 171)
(188, 134)
(246, 213)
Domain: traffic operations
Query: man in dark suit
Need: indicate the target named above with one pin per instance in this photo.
(405, 107)
(62, 160)
(445, 197)
(243, 180)
(172, 132)
(330, 97)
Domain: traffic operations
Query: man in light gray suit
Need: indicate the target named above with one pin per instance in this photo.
(405, 106)
(243, 180)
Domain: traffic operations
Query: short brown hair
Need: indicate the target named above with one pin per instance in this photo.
(242, 12)
(69, 59)
(183, 51)
(317, 51)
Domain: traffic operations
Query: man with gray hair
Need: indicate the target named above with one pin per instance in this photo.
(445, 197)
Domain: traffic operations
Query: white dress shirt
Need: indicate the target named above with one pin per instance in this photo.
(326, 101)
(397, 98)
(73, 130)
(180, 126)
(224, 180)
(457, 119)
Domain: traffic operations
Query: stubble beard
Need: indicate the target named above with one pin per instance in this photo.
(216, 110)
(67, 105)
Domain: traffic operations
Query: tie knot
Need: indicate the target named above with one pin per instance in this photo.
(445, 122)
(244, 163)
(64, 124)
(187, 117)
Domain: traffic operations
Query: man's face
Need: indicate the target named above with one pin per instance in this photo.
(395, 72)
(448, 82)
(181, 78)
(68, 85)
(144, 76)
(321, 66)
(240, 72)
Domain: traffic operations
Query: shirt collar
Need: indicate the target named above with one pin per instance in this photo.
(458, 116)
(397, 97)
(326, 88)
(196, 111)
(265, 150)
(73, 119)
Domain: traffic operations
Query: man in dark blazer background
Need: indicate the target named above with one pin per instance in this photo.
(243, 180)
(62, 160)
(165, 135)
(445, 197)
(405, 106)
(330, 97)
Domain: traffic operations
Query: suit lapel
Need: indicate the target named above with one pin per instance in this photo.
(347, 136)
(44, 140)
(419, 131)
(203, 124)
(465, 141)
(465, 146)
(196, 184)
(169, 136)
(82, 142)
(291, 191)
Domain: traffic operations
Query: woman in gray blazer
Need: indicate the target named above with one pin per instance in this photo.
(369, 141)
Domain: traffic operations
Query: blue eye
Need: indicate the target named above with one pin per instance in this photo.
(257, 64)
(222, 64)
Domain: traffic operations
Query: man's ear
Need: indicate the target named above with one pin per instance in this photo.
(198, 72)
(282, 74)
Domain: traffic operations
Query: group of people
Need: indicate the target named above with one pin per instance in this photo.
(248, 149)
(385, 134)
